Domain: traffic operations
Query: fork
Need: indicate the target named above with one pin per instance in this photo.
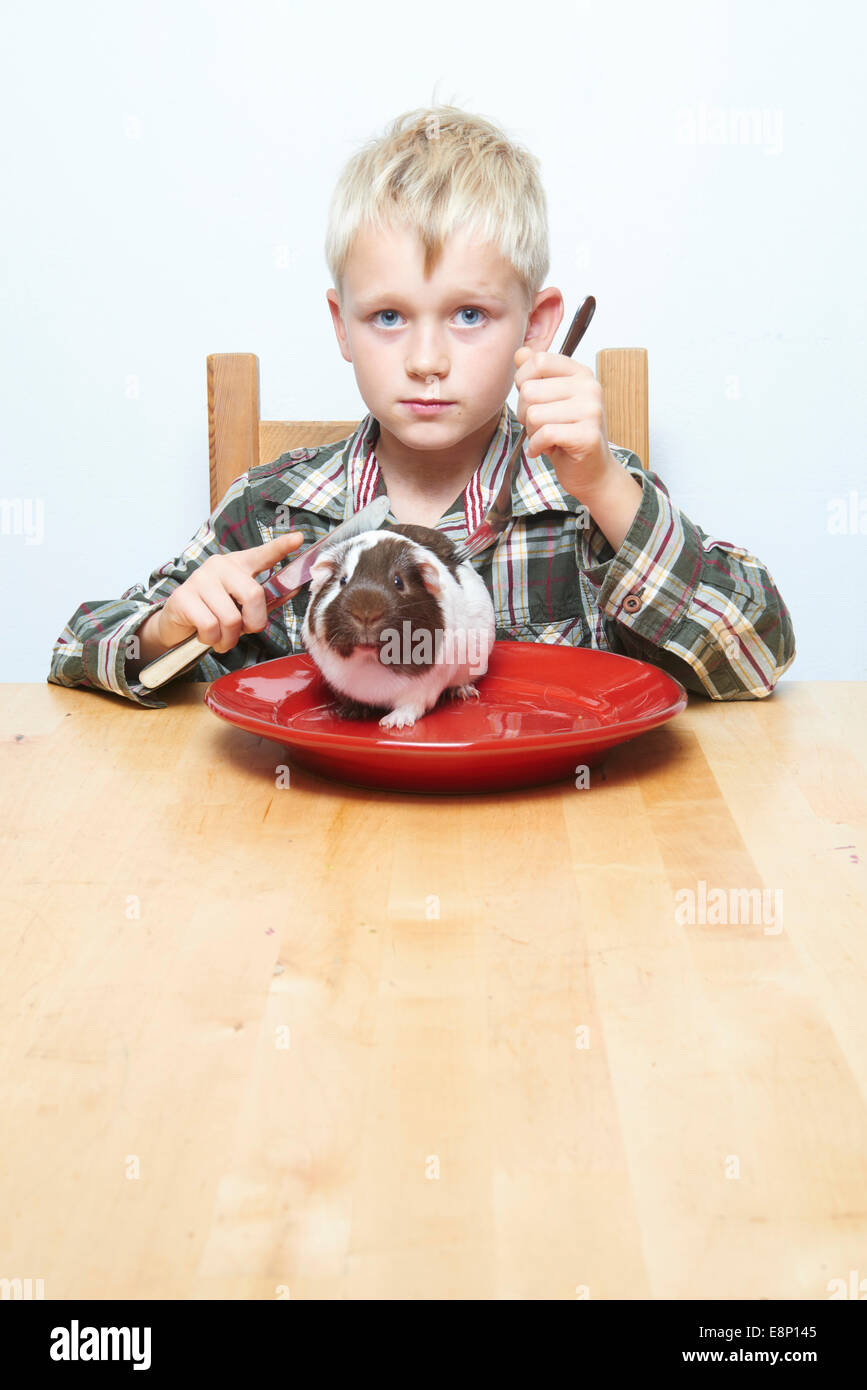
(500, 513)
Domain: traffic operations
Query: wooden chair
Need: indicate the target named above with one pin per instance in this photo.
(239, 440)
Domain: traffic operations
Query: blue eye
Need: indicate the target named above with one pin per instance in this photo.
(387, 318)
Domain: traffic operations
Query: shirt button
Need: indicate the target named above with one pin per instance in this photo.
(631, 603)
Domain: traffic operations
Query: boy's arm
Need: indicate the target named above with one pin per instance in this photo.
(706, 611)
(97, 648)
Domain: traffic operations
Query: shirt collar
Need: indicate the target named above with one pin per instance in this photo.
(348, 477)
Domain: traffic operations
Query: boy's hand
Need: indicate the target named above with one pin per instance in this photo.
(205, 603)
(560, 405)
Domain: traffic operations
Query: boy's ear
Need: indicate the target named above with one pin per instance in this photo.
(544, 319)
(339, 326)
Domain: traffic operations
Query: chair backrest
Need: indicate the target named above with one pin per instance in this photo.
(239, 440)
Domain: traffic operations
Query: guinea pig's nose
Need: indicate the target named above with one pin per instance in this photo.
(366, 608)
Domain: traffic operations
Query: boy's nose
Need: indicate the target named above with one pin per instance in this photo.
(425, 367)
(426, 358)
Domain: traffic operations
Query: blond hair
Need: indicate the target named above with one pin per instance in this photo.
(437, 169)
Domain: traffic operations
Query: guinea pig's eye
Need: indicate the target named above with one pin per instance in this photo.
(398, 581)
(343, 579)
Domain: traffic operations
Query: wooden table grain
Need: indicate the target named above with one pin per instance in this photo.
(315, 1041)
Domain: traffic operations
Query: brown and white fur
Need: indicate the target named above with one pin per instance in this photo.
(406, 580)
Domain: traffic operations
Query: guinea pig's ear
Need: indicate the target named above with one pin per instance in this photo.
(430, 577)
(323, 569)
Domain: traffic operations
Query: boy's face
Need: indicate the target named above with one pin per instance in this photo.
(449, 339)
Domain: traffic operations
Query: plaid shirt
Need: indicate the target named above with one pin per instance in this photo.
(704, 610)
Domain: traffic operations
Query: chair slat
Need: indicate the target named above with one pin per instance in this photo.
(233, 418)
(622, 374)
(278, 436)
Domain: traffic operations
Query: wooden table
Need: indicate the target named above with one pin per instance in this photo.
(330, 1043)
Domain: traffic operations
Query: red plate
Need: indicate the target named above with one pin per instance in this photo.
(544, 710)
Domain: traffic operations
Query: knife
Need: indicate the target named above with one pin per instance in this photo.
(280, 586)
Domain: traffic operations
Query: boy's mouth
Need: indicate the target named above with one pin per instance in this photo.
(427, 407)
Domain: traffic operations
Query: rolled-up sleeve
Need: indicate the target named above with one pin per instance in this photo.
(705, 610)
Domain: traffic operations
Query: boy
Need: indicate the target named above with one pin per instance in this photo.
(438, 245)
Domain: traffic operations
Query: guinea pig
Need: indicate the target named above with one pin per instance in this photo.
(394, 620)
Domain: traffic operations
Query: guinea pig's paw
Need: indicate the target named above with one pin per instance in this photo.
(463, 692)
(401, 718)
